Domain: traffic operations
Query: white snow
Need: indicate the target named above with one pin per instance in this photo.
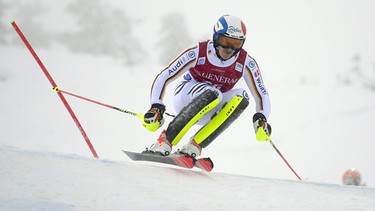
(321, 126)
(35, 180)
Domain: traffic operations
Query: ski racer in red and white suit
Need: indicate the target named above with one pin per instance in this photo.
(210, 70)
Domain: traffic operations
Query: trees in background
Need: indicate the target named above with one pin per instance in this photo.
(174, 37)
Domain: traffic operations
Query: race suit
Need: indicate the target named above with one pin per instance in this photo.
(202, 68)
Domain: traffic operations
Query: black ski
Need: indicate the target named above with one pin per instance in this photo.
(172, 159)
(204, 164)
(175, 159)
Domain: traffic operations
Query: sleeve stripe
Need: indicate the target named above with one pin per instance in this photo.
(254, 89)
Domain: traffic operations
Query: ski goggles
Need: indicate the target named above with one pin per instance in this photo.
(227, 42)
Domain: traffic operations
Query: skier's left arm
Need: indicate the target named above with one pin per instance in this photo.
(259, 92)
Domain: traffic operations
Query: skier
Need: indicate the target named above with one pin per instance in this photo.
(206, 95)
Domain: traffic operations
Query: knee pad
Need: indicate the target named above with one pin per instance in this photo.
(190, 114)
(230, 112)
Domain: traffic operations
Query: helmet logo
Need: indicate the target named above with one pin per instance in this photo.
(233, 29)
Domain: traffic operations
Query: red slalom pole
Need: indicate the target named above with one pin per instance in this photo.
(55, 87)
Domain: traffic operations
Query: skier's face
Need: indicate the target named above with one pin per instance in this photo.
(225, 53)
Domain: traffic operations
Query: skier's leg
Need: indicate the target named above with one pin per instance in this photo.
(230, 112)
(193, 100)
(190, 114)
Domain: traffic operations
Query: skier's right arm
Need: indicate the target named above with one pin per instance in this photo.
(153, 119)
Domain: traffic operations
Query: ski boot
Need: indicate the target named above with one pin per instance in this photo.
(191, 149)
(162, 145)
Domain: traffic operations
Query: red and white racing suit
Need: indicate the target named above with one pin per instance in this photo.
(202, 69)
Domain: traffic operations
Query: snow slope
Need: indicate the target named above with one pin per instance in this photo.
(35, 180)
(322, 127)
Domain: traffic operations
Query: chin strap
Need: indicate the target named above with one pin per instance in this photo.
(218, 54)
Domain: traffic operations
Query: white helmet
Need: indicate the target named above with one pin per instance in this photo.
(230, 26)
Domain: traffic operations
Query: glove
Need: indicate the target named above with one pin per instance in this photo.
(259, 120)
(153, 118)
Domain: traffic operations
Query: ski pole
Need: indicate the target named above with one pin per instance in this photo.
(54, 85)
(103, 104)
(262, 136)
(139, 115)
(278, 152)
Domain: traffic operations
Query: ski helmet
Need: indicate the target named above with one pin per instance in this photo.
(229, 26)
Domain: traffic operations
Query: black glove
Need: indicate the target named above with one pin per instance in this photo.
(153, 118)
(259, 120)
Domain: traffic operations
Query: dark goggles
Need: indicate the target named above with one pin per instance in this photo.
(227, 42)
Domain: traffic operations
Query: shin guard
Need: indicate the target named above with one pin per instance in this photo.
(190, 114)
(230, 112)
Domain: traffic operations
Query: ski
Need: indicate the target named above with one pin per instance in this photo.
(173, 159)
(204, 164)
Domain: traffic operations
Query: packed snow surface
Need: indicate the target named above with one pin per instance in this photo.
(35, 180)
